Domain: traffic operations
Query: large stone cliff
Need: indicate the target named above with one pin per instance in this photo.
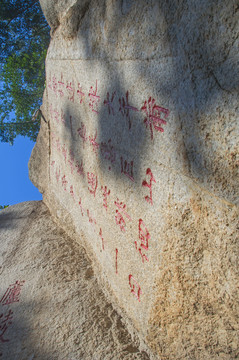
(139, 158)
(51, 306)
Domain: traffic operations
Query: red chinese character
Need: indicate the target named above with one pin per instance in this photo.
(52, 84)
(58, 174)
(64, 182)
(71, 90)
(63, 120)
(109, 103)
(127, 168)
(135, 288)
(81, 207)
(93, 182)
(4, 325)
(61, 86)
(94, 144)
(58, 145)
(153, 118)
(80, 93)
(125, 107)
(102, 239)
(105, 195)
(12, 294)
(119, 218)
(91, 219)
(144, 237)
(71, 161)
(72, 192)
(82, 133)
(53, 163)
(144, 183)
(108, 152)
(80, 169)
(94, 99)
(64, 151)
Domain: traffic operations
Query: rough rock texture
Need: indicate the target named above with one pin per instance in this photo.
(60, 313)
(140, 159)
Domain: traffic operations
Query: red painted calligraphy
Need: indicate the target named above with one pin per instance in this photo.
(80, 169)
(102, 239)
(144, 237)
(61, 86)
(93, 182)
(64, 152)
(91, 219)
(72, 192)
(93, 143)
(5, 321)
(153, 113)
(63, 120)
(121, 214)
(127, 168)
(71, 91)
(94, 99)
(52, 84)
(80, 93)
(144, 183)
(109, 102)
(64, 182)
(82, 133)
(105, 195)
(135, 288)
(58, 174)
(81, 207)
(125, 108)
(107, 151)
(13, 293)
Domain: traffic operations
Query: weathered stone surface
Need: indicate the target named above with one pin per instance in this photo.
(60, 313)
(142, 104)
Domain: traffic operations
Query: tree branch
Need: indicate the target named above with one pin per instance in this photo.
(18, 13)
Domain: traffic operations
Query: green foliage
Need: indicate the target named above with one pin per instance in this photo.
(24, 39)
(3, 207)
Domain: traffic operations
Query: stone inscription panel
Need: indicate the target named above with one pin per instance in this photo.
(113, 189)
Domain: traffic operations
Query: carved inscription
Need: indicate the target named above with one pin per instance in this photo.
(153, 116)
(135, 288)
(149, 198)
(11, 296)
(121, 215)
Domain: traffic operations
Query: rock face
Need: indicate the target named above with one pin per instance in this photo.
(51, 306)
(140, 158)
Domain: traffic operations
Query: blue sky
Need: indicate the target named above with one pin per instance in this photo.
(15, 186)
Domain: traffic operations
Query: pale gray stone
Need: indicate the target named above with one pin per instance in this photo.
(142, 103)
(61, 312)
